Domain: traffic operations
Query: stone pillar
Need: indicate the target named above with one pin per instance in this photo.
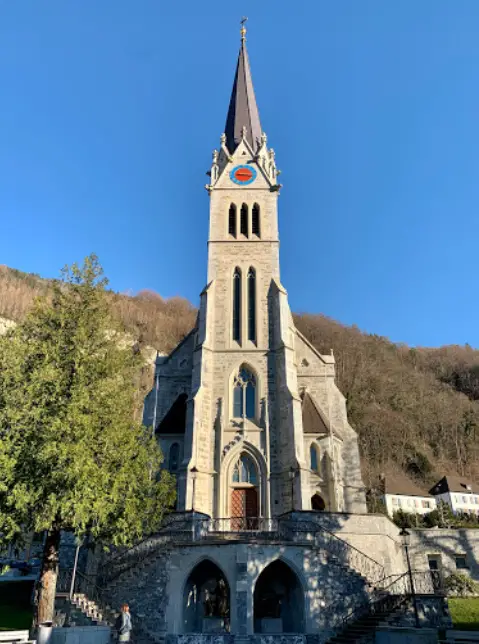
(243, 620)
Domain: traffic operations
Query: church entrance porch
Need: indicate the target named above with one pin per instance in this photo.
(206, 600)
(278, 601)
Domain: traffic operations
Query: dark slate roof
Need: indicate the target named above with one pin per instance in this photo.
(174, 421)
(454, 484)
(313, 422)
(402, 485)
(242, 111)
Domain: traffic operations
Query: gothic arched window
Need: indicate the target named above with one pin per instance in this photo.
(232, 220)
(237, 305)
(244, 470)
(255, 229)
(244, 220)
(314, 455)
(252, 305)
(244, 394)
(174, 458)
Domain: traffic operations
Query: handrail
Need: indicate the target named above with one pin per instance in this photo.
(371, 604)
(335, 536)
(316, 528)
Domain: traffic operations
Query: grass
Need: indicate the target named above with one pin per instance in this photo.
(465, 613)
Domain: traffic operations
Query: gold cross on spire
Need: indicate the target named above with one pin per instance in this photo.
(243, 28)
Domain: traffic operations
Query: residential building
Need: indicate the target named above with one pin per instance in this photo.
(461, 494)
(400, 493)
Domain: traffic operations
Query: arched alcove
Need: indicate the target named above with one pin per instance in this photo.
(206, 600)
(278, 600)
(317, 503)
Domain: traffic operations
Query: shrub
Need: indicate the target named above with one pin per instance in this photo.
(460, 584)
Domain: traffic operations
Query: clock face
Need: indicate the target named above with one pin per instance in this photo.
(243, 174)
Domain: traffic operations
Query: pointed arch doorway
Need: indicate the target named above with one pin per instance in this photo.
(244, 503)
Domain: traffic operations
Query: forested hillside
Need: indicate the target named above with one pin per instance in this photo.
(415, 409)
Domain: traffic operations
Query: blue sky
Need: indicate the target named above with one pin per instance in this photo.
(110, 110)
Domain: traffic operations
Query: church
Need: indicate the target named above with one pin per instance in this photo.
(246, 410)
(270, 540)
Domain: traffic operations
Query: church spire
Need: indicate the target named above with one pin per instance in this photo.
(243, 113)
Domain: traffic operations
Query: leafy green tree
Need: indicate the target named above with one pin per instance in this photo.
(72, 454)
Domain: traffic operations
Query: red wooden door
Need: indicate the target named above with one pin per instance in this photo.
(244, 508)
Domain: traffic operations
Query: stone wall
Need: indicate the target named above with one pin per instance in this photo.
(446, 544)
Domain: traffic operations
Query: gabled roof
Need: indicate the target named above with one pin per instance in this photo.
(174, 421)
(242, 111)
(401, 485)
(313, 420)
(454, 484)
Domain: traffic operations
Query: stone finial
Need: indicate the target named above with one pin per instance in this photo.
(243, 132)
(223, 139)
(264, 139)
(215, 156)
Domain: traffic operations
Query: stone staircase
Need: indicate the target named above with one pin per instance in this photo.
(381, 613)
(81, 611)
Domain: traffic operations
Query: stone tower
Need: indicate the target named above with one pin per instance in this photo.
(245, 408)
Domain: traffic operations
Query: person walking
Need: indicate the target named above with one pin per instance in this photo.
(124, 626)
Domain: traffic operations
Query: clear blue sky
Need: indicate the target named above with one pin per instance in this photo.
(110, 109)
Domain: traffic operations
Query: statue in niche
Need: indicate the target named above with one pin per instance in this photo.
(222, 599)
(208, 603)
(271, 605)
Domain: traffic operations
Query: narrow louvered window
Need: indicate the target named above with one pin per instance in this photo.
(255, 229)
(237, 305)
(252, 305)
(244, 220)
(232, 220)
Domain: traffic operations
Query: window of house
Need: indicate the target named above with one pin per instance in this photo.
(174, 457)
(237, 305)
(395, 501)
(399, 502)
(244, 471)
(244, 394)
(426, 504)
(464, 500)
(244, 220)
(461, 563)
(416, 503)
(314, 457)
(434, 562)
(232, 220)
(252, 305)
(255, 221)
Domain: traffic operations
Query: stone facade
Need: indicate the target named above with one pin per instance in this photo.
(159, 596)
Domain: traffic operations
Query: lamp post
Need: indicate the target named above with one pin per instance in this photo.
(194, 472)
(406, 537)
(292, 474)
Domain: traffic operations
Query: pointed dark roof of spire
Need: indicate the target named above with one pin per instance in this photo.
(243, 111)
